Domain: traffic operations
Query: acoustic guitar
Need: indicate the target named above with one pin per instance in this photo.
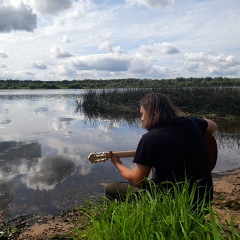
(208, 137)
(212, 148)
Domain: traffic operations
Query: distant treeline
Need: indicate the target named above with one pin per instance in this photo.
(119, 83)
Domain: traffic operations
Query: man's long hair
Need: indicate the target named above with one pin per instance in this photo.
(159, 109)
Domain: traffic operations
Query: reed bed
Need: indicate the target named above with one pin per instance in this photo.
(123, 104)
(154, 214)
(112, 105)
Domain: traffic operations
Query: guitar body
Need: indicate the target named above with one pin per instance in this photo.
(212, 148)
(208, 137)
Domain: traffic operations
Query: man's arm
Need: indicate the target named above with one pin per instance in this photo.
(135, 176)
(212, 126)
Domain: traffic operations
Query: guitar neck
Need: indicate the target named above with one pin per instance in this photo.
(125, 154)
(104, 156)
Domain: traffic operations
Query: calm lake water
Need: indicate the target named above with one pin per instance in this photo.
(44, 148)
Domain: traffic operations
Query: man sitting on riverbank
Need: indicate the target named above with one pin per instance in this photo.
(174, 146)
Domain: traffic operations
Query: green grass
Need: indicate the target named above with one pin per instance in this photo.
(149, 216)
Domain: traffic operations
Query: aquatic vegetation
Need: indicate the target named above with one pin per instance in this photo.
(1, 216)
(1, 220)
(124, 103)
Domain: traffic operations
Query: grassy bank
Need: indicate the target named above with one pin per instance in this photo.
(149, 216)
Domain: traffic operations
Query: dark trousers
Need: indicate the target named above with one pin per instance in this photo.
(118, 190)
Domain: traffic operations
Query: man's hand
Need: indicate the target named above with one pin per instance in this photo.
(114, 159)
(135, 176)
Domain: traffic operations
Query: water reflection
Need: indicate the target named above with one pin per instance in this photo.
(25, 159)
(228, 150)
(7, 121)
(17, 158)
(14, 150)
(45, 140)
(49, 171)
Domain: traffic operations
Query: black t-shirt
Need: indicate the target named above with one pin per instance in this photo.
(177, 150)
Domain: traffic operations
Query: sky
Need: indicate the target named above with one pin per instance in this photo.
(53, 40)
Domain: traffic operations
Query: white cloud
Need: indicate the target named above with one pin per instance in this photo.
(215, 70)
(165, 48)
(3, 65)
(26, 73)
(78, 10)
(38, 65)
(64, 70)
(3, 55)
(191, 65)
(224, 61)
(195, 56)
(59, 52)
(213, 64)
(65, 39)
(103, 62)
(163, 72)
(152, 3)
(170, 50)
(52, 7)
(106, 46)
(141, 64)
(17, 18)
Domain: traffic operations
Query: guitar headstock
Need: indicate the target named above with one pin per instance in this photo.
(98, 157)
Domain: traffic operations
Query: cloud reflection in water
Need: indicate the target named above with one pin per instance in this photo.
(49, 172)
